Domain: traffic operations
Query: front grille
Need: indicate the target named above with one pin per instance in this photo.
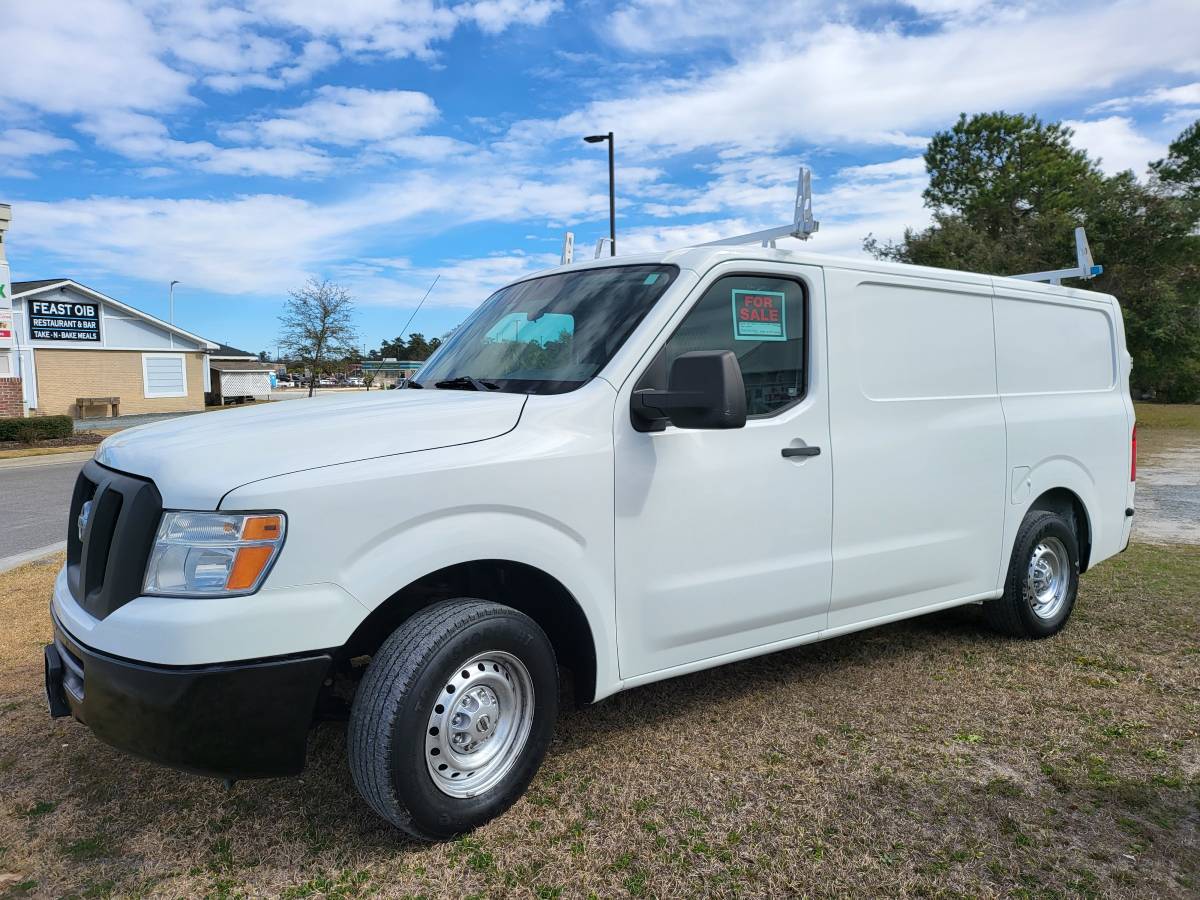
(106, 557)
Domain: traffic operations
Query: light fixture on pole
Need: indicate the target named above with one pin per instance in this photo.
(171, 303)
(612, 199)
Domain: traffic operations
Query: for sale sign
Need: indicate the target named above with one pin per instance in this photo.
(64, 320)
(759, 316)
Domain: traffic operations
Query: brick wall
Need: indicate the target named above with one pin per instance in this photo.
(64, 375)
(10, 398)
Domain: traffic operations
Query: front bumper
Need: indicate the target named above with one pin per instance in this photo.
(232, 720)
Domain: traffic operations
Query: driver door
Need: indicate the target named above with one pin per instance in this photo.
(722, 541)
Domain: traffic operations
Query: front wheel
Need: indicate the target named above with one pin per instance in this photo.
(453, 717)
(1043, 579)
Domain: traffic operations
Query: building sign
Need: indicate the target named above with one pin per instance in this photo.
(6, 313)
(64, 320)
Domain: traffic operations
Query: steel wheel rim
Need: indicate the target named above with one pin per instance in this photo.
(1048, 578)
(479, 725)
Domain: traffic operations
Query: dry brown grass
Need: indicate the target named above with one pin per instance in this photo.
(926, 758)
(1161, 425)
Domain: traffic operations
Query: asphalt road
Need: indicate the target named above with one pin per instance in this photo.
(34, 502)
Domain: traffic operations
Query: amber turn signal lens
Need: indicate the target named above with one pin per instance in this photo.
(247, 566)
(262, 528)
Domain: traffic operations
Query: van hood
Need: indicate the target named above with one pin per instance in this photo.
(195, 460)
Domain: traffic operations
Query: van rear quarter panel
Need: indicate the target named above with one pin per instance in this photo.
(1062, 371)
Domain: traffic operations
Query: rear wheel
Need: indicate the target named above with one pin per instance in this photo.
(453, 717)
(1042, 581)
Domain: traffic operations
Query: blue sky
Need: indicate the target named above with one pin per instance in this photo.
(243, 147)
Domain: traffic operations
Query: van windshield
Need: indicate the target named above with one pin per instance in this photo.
(547, 335)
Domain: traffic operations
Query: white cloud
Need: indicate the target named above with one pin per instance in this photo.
(1180, 95)
(71, 57)
(494, 16)
(743, 183)
(265, 243)
(462, 283)
(278, 162)
(1117, 144)
(18, 144)
(228, 246)
(677, 26)
(142, 137)
(845, 84)
(112, 66)
(880, 198)
(399, 28)
(342, 116)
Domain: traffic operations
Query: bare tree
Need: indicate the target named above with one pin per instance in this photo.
(316, 326)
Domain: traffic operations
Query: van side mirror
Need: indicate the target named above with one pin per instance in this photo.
(704, 390)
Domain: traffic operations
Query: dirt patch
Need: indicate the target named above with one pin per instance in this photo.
(927, 758)
(1168, 493)
(1168, 485)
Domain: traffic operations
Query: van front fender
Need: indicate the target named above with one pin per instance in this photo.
(425, 544)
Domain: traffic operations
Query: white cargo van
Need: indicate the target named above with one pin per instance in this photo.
(627, 469)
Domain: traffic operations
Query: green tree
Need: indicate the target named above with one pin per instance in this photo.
(1181, 168)
(1006, 192)
(416, 347)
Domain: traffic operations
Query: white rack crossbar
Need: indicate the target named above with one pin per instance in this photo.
(1086, 268)
(802, 227)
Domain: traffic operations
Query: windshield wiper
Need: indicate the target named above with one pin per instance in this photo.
(413, 384)
(466, 383)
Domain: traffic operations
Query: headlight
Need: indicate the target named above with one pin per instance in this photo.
(203, 554)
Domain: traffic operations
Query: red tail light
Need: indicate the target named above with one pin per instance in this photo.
(1133, 456)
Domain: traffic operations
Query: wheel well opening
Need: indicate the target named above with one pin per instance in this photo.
(1067, 504)
(540, 596)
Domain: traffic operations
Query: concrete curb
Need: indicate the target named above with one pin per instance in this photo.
(19, 559)
(46, 459)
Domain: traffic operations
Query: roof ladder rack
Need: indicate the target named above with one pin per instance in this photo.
(1086, 268)
(802, 227)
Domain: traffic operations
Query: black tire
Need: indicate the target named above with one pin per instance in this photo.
(389, 721)
(1013, 613)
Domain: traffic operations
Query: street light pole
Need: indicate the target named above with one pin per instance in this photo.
(171, 294)
(612, 197)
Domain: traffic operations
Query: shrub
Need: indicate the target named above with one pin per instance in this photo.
(39, 428)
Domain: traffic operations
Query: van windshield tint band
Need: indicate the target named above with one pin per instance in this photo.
(547, 335)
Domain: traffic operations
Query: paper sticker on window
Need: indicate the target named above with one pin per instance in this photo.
(759, 316)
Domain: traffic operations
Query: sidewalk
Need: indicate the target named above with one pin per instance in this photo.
(130, 421)
(47, 459)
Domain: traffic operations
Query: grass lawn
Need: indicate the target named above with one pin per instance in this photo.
(1161, 425)
(926, 758)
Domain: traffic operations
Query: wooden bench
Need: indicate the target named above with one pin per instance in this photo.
(112, 403)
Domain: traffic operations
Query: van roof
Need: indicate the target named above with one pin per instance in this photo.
(701, 259)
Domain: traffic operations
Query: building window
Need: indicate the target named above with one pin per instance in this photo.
(164, 375)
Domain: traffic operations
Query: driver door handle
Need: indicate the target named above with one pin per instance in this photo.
(801, 451)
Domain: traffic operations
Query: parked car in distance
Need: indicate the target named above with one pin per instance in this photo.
(630, 469)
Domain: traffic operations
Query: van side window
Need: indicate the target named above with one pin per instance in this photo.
(762, 320)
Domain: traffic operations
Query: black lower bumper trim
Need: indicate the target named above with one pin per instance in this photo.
(240, 720)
